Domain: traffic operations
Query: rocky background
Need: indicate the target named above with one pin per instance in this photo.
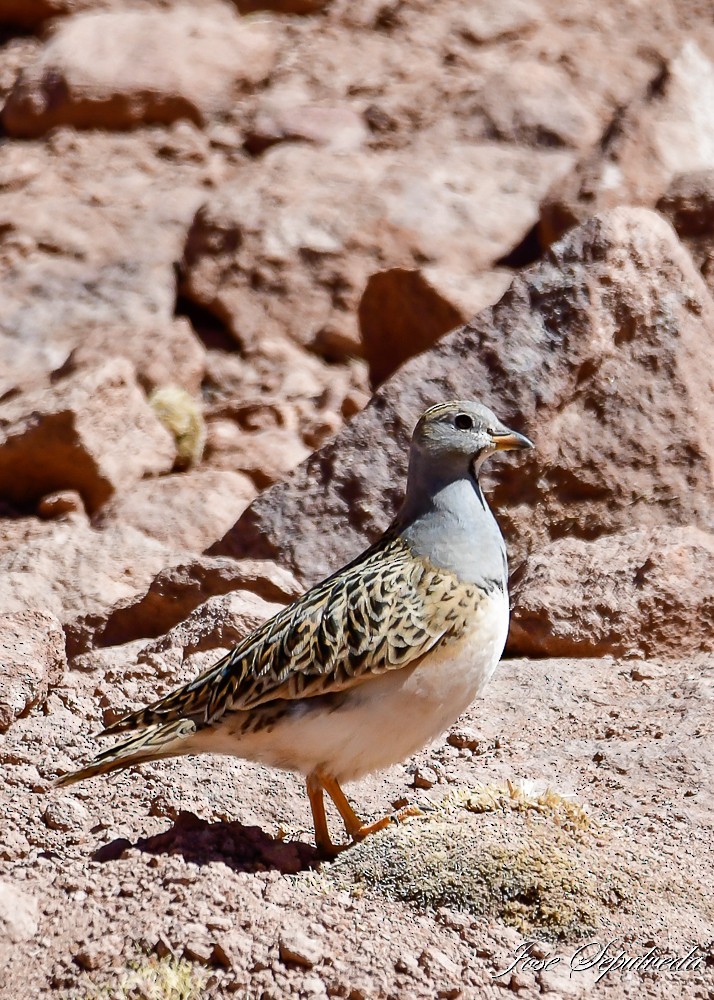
(242, 246)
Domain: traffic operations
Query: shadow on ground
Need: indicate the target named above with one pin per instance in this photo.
(241, 848)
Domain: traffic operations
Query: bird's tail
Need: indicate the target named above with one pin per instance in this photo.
(164, 739)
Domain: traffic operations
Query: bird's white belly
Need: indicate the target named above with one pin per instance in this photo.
(386, 718)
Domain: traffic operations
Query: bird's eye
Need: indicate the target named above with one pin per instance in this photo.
(463, 421)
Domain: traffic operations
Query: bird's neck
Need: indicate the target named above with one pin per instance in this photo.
(450, 524)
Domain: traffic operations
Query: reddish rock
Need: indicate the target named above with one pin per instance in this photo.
(64, 504)
(282, 6)
(219, 623)
(405, 311)
(665, 132)
(174, 593)
(93, 432)
(30, 14)
(688, 203)
(289, 250)
(284, 118)
(19, 917)
(162, 354)
(492, 19)
(70, 569)
(126, 68)
(648, 591)
(596, 353)
(32, 652)
(536, 104)
(82, 251)
(189, 510)
(266, 456)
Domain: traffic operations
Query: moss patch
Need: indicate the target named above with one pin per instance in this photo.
(153, 979)
(529, 858)
(181, 414)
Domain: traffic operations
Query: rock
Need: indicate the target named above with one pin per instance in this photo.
(65, 814)
(93, 432)
(404, 311)
(188, 510)
(596, 353)
(289, 249)
(19, 915)
(296, 946)
(282, 117)
(266, 456)
(535, 104)
(120, 69)
(174, 593)
(493, 19)
(32, 653)
(688, 203)
(282, 6)
(92, 255)
(30, 14)
(266, 409)
(162, 354)
(63, 504)
(648, 591)
(230, 949)
(100, 953)
(220, 622)
(425, 777)
(465, 738)
(666, 132)
(70, 570)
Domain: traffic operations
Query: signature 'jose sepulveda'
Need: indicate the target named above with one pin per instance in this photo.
(602, 958)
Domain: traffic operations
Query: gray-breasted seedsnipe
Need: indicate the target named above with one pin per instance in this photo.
(372, 663)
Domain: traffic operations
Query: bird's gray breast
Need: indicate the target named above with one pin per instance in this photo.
(458, 532)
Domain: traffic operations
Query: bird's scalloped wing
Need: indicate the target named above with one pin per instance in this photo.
(382, 612)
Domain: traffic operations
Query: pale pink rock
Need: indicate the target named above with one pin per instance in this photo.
(33, 657)
(93, 432)
(118, 69)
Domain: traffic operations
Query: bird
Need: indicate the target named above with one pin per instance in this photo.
(373, 663)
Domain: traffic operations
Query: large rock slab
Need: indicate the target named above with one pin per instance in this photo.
(167, 353)
(70, 569)
(596, 353)
(666, 131)
(94, 432)
(32, 655)
(189, 510)
(647, 591)
(119, 69)
(290, 248)
(404, 311)
(174, 593)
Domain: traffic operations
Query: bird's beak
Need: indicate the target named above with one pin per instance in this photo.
(510, 440)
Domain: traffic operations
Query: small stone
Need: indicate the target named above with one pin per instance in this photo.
(19, 916)
(99, 954)
(425, 777)
(464, 738)
(65, 814)
(60, 504)
(295, 946)
(198, 949)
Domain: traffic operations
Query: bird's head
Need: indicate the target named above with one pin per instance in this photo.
(457, 436)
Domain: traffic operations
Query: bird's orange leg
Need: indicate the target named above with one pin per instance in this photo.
(355, 827)
(319, 819)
